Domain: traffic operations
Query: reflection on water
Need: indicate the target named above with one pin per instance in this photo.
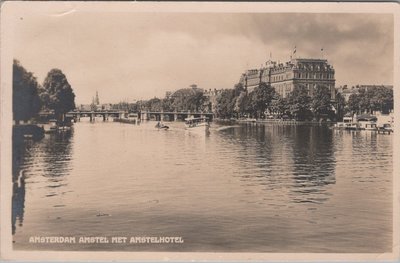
(248, 188)
(48, 158)
(18, 202)
(307, 151)
(314, 164)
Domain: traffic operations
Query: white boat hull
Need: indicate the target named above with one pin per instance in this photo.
(200, 127)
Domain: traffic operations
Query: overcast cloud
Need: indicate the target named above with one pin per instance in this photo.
(142, 55)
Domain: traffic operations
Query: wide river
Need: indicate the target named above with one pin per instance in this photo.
(242, 188)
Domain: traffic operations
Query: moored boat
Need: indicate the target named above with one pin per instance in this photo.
(385, 128)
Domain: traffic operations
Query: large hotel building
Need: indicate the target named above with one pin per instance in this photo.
(285, 76)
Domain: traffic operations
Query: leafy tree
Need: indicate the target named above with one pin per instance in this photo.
(189, 99)
(57, 93)
(238, 89)
(299, 103)
(154, 104)
(365, 97)
(280, 105)
(321, 102)
(261, 98)
(373, 99)
(242, 104)
(26, 101)
(226, 103)
(196, 101)
(167, 105)
(354, 103)
(340, 106)
(382, 99)
(231, 102)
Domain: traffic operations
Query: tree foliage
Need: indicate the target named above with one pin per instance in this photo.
(341, 107)
(373, 99)
(226, 101)
(321, 103)
(280, 106)
(261, 98)
(189, 99)
(26, 101)
(242, 104)
(154, 104)
(299, 103)
(57, 93)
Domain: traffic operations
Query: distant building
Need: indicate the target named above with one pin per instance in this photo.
(104, 106)
(95, 105)
(85, 107)
(284, 77)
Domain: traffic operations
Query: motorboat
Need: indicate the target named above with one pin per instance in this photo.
(199, 124)
(385, 128)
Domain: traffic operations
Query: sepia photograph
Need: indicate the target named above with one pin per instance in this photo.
(199, 131)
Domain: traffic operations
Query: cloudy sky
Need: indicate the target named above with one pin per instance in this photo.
(129, 55)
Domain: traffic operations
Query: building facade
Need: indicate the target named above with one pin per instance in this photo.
(284, 77)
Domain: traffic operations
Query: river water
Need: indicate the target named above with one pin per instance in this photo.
(243, 188)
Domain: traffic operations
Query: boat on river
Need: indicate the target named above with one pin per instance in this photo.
(161, 126)
(385, 128)
(199, 124)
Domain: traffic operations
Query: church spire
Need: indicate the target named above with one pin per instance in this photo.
(97, 101)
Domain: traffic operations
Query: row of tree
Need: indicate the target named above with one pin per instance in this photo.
(29, 97)
(239, 102)
(263, 100)
(189, 99)
(299, 104)
(372, 99)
